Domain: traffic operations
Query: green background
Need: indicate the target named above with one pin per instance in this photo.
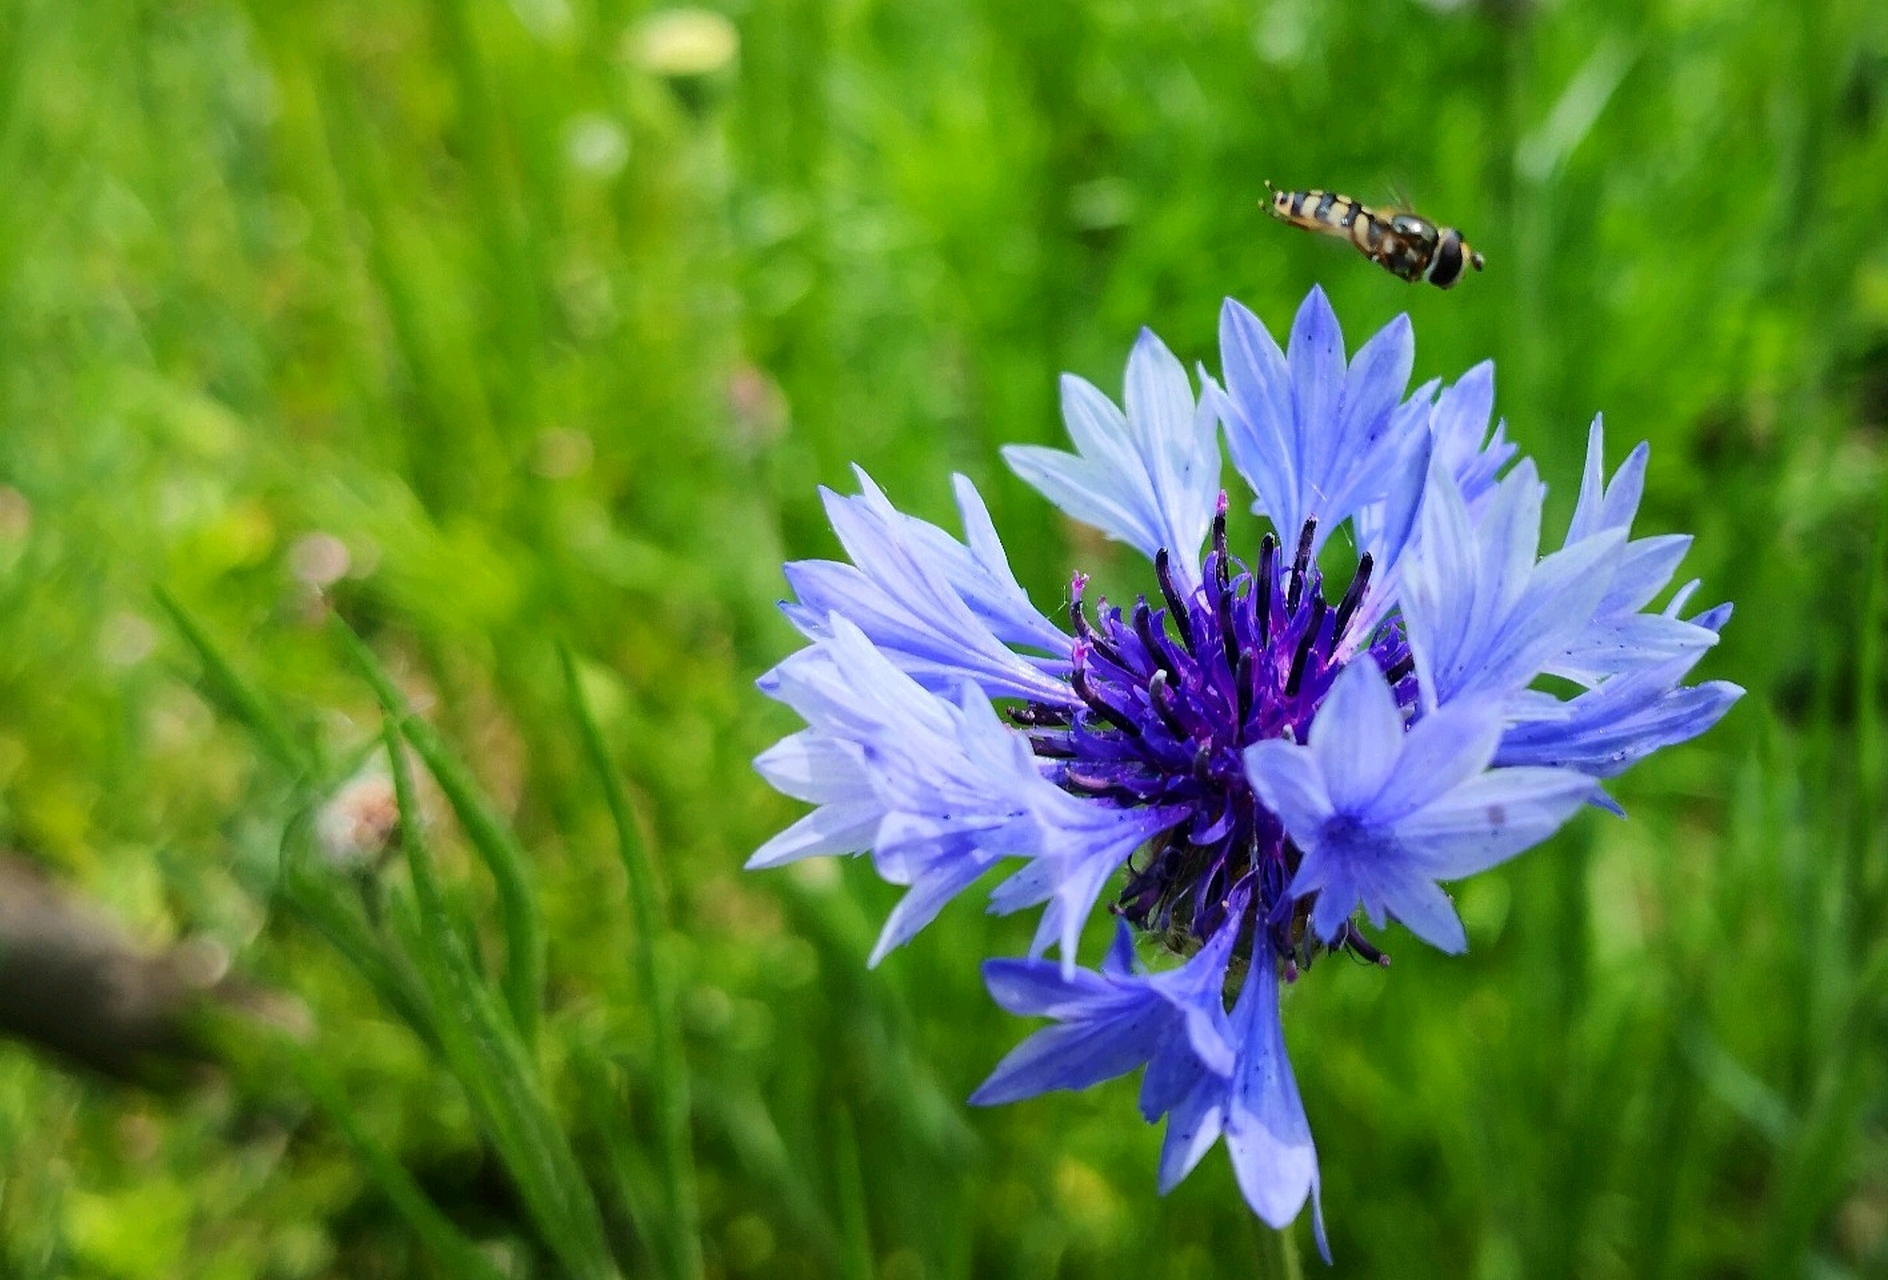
(554, 321)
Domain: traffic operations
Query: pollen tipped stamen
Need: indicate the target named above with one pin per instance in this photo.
(1302, 658)
(1161, 696)
(1149, 628)
(1300, 565)
(1354, 942)
(1221, 560)
(1176, 605)
(1353, 596)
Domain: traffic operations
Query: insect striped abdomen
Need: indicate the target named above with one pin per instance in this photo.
(1406, 245)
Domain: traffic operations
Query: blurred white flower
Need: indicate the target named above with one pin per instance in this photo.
(359, 822)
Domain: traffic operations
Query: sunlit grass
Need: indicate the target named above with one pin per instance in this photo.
(557, 339)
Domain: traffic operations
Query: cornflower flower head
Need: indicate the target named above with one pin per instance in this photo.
(1258, 761)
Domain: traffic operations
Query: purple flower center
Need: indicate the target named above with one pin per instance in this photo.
(1172, 697)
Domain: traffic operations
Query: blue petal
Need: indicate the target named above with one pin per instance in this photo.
(1289, 783)
(1077, 1055)
(852, 692)
(1374, 436)
(1358, 736)
(1119, 962)
(1424, 909)
(1346, 866)
(946, 877)
(1312, 436)
(1441, 751)
(1432, 581)
(1564, 586)
(1149, 477)
(1620, 637)
(813, 767)
(1472, 456)
(978, 568)
(954, 790)
(1315, 357)
(1606, 730)
(1083, 843)
(1384, 528)
(1602, 506)
(1490, 818)
(1620, 643)
(1036, 989)
(899, 591)
(1483, 618)
(1256, 410)
(1437, 814)
(829, 829)
(1644, 570)
(1194, 1124)
(1267, 1135)
(1173, 1073)
(1110, 1023)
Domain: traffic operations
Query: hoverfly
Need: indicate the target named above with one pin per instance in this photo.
(1407, 246)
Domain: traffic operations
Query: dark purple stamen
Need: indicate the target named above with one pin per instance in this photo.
(1160, 696)
(1037, 713)
(1170, 699)
(1295, 681)
(1148, 630)
(1353, 596)
(1354, 942)
(1176, 607)
(1052, 748)
(1299, 564)
(1268, 571)
(1221, 561)
(1116, 716)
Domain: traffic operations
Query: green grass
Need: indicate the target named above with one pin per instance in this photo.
(559, 350)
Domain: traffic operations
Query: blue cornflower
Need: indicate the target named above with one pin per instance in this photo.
(1258, 764)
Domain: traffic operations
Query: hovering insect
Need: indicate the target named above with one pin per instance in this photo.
(1407, 246)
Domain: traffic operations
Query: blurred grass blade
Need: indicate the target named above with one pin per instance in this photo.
(634, 1182)
(457, 1255)
(484, 1052)
(856, 1256)
(741, 1114)
(497, 848)
(1868, 879)
(321, 901)
(671, 1063)
(316, 897)
(234, 693)
(1545, 150)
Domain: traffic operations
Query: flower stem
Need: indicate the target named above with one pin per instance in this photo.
(1278, 1255)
